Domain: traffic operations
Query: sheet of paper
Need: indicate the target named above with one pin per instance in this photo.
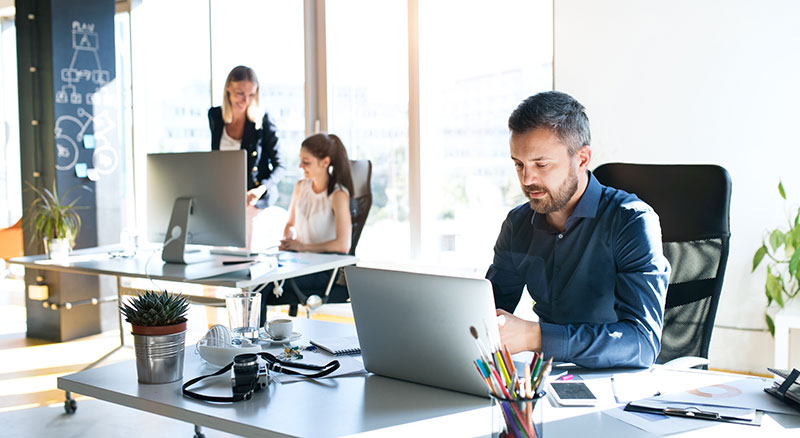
(743, 393)
(635, 386)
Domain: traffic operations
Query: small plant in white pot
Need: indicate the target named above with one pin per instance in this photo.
(158, 324)
(55, 222)
(781, 251)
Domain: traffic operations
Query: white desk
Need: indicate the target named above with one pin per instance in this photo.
(148, 264)
(365, 405)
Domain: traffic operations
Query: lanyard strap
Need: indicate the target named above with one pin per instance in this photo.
(273, 364)
(280, 366)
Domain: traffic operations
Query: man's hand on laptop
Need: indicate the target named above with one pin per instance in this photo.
(518, 334)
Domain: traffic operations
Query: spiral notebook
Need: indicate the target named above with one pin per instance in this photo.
(339, 346)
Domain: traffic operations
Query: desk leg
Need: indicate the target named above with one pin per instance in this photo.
(119, 314)
(781, 342)
(70, 405)
(325, 294)
(330, 285)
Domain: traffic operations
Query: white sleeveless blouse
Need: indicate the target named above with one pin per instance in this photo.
(314, 220)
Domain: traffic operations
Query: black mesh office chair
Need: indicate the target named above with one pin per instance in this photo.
(693, 204)
(360, 204)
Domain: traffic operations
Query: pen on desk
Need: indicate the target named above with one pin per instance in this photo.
(236, 262)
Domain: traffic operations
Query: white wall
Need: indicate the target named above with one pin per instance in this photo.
(683, 81)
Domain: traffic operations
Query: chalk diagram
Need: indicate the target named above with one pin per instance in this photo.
(85, 42)
(69, 132)
(85, 70)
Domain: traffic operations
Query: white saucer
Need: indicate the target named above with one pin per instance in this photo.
(264, 336)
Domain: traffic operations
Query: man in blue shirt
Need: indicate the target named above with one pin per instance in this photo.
(590, 255)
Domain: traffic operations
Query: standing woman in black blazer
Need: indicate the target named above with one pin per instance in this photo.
(236, 125)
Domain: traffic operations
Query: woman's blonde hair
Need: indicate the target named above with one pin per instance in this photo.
(238, 74)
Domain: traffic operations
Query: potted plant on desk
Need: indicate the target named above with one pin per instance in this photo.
(781, 248)
(55, 222)
(158, 325)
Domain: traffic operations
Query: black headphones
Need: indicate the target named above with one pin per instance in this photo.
(248, 378)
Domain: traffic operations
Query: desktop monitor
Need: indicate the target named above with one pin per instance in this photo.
(196, 198)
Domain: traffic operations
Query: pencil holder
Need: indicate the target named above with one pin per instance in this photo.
(517, 418)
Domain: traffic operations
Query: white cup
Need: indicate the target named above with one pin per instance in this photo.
(279, 329)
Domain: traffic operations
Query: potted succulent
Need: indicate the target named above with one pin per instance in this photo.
(55, 222)
(158, 325)
(780, 250)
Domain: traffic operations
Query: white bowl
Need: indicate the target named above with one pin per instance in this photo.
(221, 356)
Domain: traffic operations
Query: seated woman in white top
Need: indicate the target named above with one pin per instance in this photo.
(319, 214)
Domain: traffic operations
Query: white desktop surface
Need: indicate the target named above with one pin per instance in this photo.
(327, 407)
(372, 405)
(147, 263)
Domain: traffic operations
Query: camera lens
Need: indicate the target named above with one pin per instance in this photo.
(245, 360)
(245, 373)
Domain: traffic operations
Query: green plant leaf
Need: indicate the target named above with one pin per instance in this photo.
(793, 236)
(760, 253)
(770, 325)
(774, 289)
(780, 189)
(794, 264)
(776, 239)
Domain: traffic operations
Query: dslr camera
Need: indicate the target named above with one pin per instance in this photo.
(248, 376)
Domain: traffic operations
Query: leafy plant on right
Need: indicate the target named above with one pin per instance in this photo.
(779, 250)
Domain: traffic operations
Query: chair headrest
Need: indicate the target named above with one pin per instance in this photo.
(361, 171)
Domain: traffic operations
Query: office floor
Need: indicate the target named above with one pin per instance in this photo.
(32, 406)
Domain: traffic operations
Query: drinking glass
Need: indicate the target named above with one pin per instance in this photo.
(244, 311)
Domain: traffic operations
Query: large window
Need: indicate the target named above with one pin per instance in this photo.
(367, 52)
(476, 65)
(10, 180)
(171, 76)
(268, 37)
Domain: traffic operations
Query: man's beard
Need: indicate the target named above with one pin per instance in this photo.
(553, 201)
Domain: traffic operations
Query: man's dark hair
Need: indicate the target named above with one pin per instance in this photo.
(559, 112)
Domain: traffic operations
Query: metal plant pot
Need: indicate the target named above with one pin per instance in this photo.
(159, 357)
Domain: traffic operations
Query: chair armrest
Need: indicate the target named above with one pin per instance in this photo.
(686, 362)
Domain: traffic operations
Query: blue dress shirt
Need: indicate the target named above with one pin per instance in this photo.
(598, 288)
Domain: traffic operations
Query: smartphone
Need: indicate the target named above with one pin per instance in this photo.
(572, 394)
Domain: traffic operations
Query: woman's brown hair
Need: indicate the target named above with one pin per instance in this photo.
(329, 145)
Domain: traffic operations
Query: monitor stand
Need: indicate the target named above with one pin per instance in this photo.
(175, 241)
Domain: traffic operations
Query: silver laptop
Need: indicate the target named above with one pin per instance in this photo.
(415, 327)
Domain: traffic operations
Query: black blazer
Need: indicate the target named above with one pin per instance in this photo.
(264, 161)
